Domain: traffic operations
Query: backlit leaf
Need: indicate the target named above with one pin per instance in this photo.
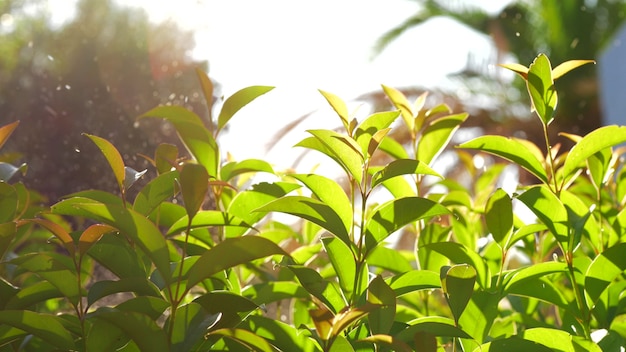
(6, 131)
(233, 169)
(8, 202)
(400, 102)
(207, 88)
(401, 167)
(343, 261)
(344, 150)
(379, 293)
(510, 149)
(237, 101)
(457, 283)
(207, 218)
(604, 269)
(461, 254)
(437, 135)
(339, 106)
(248, 339)
(567, 66)
(139, 327)
(157, 191)
(194, 183)
(499, 216)
(372, 125)
(113, 157)
(46, 327)
(541, 88)
(326, 291)
(138, 285)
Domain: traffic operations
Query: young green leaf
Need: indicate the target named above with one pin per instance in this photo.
(342, 149)
(567, 66)
(237, 101)
(344, 262)
(414, 280)
(380, 294)
(541, 89)
(395, 214)
(139, 327)
(326, 291)
(46, 327)
(114, 158)
(206, 218)
(510, 149)
(92, 235)
(8, 202)
(499, 216)
(400, 102)
(7, 234)
(194, 135)
(459, 253)
(457, 283)
(207, 88)
(592, 143)
(165, 157)
(221, 257)
(157, 191)
(313, 210)
(233, 169)
(438, 326)
(517, 68)
(58, 231)
(549, 209)
(603, 270)
(194, 183)
(372, 125)
(402, 167)
(340, 108)
(437, 135)
(138, 285)
(191, 324)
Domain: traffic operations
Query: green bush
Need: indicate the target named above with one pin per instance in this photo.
(195, 263)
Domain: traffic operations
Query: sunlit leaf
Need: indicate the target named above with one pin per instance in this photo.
(207, 218)
(326, 291)
(380, 294)
(191, 324)
(272, 291)
(517, 68)
(541, 88)
(194, 135)
(248, 339)
(395, 214)
(91, 235)
(401, 167)
(437, 135)
(165, 157)
(194, 183)
(157, 191)
(207, 88)
(512, 344)
(457, 283)
(522, 275)
(8, 202)
(592, 143)
(567, 66)
(7, 234)
(510, 149)
(342, 149)
(113, 157)
(6, 131)
(393, 148)
(437, 326)
(237, 101)
(371, 126)
(343, 261)
(499, 216)
(46, 327)
(400, 102)
(414, 280)
(461, 254)
(233, 169)
(58, 231)
(549, 209)
(389, 259)
(392, 342)
(339, 106)
(138, 285)
(220, 257)
(231, 307)
(139, 327)
(313, 210)
(284, 336)
(607, 266)
(329, 192)
(26, 297)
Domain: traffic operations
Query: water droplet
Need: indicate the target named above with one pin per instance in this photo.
(68, 87)
(50, 58)
(76, 150)
(517, 34)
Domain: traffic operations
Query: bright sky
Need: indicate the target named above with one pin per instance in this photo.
(302, 46)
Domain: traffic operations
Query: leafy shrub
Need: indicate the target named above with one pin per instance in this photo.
(194, 262)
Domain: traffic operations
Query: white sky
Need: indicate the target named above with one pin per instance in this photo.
(302, 46)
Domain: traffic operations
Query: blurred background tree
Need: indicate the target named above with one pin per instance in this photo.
(95, 73)
(564, 30)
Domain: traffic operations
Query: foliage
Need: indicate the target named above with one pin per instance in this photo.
(171, 271)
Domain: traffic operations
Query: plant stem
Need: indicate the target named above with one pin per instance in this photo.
(557, 191)
(584, 314)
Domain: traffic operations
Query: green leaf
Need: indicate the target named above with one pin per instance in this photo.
(339, 106)
(138, 285)
(132, 224)
(457, 283)
(327, 292)
(7, 234)
(414, 280)
(103, 336)
(59, 232)
(605, 268)
(46, 327)
(402, 167)
(313, 210)
(139, 327)
(522, 275)
(437, 135)
(395, 214)
(380, 294)
(541, 88)
(599, 166)
(331, 193)
(393, 148)
(113, 157)
(388, 259)
(207, 88)
(165, 157)
(195, 136)
(231, 307)
(283, 336)
(512, 344)
(191, 324)
(342, 149)
(31, 295)
(221, 256)
(194, 183)
(246, 338)
(461, 254)
(559, 340)
(8, 202)
(499, 216)
(511, 149)
(400, 102)
(517, 68)
(233, 169)
(272, 291)
(549, 209)
(567, 66)
(437, 326)
(237, 101)
(592, 143)
(115, 253)
(207, 218)
(245, 203)
(156, 192)
(541, 288)
(372, 125)
(396, 344)
(54, 269)
(344, 262)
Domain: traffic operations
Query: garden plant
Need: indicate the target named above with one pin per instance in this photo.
(198, 261)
